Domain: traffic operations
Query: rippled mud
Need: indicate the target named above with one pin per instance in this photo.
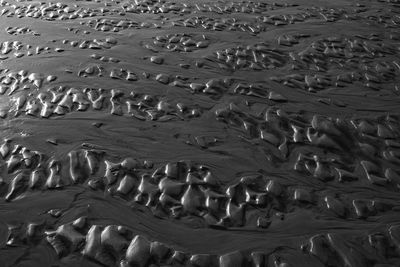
(200, 133)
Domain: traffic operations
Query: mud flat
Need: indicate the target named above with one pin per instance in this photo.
(200, 133)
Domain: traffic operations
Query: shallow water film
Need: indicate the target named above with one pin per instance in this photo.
(200, 133)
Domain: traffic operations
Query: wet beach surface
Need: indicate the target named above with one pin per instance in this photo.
(200, 133)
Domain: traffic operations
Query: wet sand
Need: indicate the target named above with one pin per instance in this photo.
(200, 133)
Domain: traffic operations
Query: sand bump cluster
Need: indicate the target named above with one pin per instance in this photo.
(230, 133)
